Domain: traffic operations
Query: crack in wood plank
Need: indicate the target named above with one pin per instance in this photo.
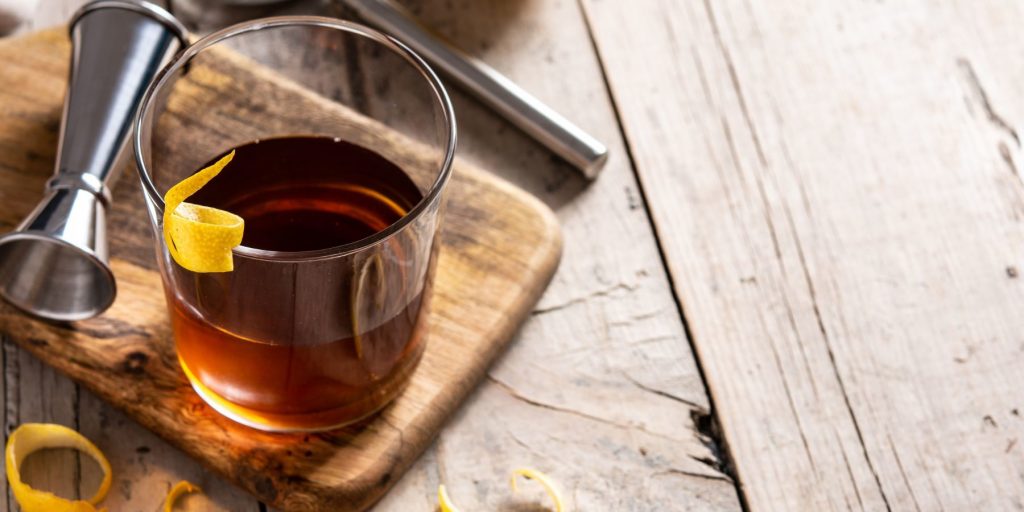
(709, 432)
(903, 472)
(832, 358)
(673, 471)
(789, 395)
(849, 469)
(515, 439)
(1004, 153)
(605, 292)
(689, 403)
(981, 96)
(565, 410)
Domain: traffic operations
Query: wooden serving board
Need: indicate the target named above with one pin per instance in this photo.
(500, 247)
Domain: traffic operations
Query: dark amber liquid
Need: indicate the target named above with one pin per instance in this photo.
(303, 194)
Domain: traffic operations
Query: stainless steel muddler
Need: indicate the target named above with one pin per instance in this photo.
(492, 88)
(54, 265)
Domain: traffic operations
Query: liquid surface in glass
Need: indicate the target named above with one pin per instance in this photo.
(304, 194)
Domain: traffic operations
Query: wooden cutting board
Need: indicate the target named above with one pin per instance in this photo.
(500, 247)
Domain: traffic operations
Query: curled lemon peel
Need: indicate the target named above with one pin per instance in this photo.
(445, 501)
(544, 480)
(180, 489)
(32, 437)
(532, 474)
(200, 238)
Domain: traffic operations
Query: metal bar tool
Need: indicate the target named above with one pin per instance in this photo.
(492, 88)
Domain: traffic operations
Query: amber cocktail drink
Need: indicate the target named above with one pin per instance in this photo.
(323, 317)
(336, 193)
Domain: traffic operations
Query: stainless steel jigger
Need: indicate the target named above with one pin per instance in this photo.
(54, 265)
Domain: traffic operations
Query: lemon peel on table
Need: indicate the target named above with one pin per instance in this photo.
(532, 474)
(180, 489)
(544, 480)
(445, 501)
(32, 437)
(200, 238)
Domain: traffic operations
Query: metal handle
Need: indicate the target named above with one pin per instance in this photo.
(119, 46)
(492, 88)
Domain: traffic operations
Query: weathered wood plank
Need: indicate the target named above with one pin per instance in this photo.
(600, 387)
(836, 188)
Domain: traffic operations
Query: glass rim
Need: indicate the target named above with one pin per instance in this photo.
(183, 58)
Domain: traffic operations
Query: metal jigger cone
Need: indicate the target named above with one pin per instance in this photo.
(54, 265)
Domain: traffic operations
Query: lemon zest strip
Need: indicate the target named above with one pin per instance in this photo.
(549, 485)
(32, 437)
(180, 489)
(544, 480)
(444, 500)
(200, 238)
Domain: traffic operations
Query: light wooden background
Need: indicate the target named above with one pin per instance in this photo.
(829, 194)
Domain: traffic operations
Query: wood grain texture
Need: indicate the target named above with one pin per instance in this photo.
(499, 248)
(837, 189)
(600, 390)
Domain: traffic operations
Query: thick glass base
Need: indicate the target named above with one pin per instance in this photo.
(317, 421)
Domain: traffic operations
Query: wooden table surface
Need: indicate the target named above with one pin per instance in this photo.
(796, 285)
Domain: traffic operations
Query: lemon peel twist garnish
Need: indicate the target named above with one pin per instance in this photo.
(32, 437)
(549, 485)
(181, 488)
(200, 238)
